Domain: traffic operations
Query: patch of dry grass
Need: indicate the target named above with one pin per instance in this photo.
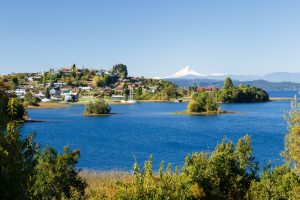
(102, 185)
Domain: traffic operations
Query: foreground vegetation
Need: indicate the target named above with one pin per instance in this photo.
(26, 170)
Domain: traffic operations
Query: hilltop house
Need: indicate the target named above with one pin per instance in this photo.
(34, 78)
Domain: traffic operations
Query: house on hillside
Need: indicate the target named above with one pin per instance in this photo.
(55, 92)
(34, 78)
(20, 92)
(67, 71)
(120, 87)
(152, 89)
(60, 85)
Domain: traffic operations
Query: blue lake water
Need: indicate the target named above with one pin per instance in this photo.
(137, 131)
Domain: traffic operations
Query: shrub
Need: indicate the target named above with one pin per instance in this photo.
(30, 100)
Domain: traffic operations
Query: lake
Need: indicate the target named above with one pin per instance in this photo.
(143, 129)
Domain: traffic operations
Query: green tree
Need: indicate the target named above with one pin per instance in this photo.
(98, 81)
(15, 81)
(47, 93)
(25, 173)
(203, 102)
(228, 83)
(226, 173)
(278, 183)
(17, 155)
(69, 82)
(56, 176)
(30, 100)
(292, 139)
(120, 70)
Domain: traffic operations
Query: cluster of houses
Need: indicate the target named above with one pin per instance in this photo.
(59, 91)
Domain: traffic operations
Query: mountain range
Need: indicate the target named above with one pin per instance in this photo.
(188, 73)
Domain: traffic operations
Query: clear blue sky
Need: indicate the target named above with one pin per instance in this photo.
(154, 38)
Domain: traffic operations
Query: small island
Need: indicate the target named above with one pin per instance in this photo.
(203, 103)
(240, 94)
(97, 108)
(208, 102)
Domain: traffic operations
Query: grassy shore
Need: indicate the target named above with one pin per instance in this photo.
(49, 105)
(103, 184)
(282, 98)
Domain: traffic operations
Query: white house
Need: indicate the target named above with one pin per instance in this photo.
(34, 78)
(86, 88)
(54, 92)
(20, 92)
(59, 84)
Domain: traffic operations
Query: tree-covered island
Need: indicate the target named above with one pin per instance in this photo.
(240, 94)
(205, 101)
(97, 108)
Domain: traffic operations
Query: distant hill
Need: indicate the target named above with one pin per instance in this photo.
(266, 85)
(188, 73)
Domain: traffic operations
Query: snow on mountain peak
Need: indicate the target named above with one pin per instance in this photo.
(187, 71)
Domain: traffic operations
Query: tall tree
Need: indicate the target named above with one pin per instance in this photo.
(120, 70)
(292, 139)
(228, 83)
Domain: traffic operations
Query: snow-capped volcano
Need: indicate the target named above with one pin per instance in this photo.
(186, 72)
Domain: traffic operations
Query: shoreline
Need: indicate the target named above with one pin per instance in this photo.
(185, 112)
(53, 105)
(282, 99)
(49, 105)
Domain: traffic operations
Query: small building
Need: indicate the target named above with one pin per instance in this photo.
(117, 98)
(60, 85)
(34, 78)
(153, 89)
(40, 85)
(119, 87)
(55, 92)
(86, 88)
(67, 71)
(20, 92)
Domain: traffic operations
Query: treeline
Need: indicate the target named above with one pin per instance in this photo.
(266, 85)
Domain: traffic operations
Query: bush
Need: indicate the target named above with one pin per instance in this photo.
(30, 100)
(56, 176)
